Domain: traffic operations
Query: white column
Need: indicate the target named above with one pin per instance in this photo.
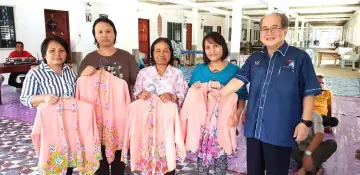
(296, 38)
(195, 27)
(302, 33)
(252, 32)
(227, 28)
(248, 29)
(236, 28)
(124, 14)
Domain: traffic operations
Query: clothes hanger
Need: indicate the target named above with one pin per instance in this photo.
(67, 96)
(152, 88)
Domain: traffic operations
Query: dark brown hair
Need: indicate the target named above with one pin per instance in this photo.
(215, 37)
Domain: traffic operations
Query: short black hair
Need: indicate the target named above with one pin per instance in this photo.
(105, 20)
(19, 42)
(45, 45)
(284, 19)
(217, 38)
(320, 76)
(168, 42)
(177, 59)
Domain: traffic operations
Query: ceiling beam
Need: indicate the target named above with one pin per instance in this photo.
(196, 5)
(332, 9)
(326, 19)
(327, 16)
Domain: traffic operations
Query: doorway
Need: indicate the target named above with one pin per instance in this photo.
(188, 36)
(218, 29)
(57, 23)
(144, 38)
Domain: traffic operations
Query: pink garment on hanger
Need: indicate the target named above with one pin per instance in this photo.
(153, 134)
(65, 135)
(197, 112)
(110, 97)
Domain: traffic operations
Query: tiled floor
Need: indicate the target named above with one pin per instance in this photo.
(17, 155)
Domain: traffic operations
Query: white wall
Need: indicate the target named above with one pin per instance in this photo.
(179, 16)
(352, 29)
(30, 24)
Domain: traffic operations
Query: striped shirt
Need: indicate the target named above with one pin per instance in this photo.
(43, 80)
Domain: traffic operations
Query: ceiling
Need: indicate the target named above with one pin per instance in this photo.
(317, 12)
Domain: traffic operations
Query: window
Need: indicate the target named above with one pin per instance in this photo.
(174, 31)
(207, 30)
(7, 27)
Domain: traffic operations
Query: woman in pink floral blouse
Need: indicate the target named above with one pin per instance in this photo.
(161, 78)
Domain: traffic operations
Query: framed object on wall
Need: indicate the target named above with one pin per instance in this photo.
(7, 27)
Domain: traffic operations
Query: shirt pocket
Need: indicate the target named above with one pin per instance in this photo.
(286, 73)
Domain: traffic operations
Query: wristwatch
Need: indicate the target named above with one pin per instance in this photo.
(308, 123)
(307, 152)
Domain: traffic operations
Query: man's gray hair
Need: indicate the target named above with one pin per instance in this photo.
(284, 19)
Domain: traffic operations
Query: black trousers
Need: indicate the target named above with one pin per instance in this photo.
(329, 121)
(69, 171)
(12, 79)
(170, 173)
(262, 156)
(117, 167)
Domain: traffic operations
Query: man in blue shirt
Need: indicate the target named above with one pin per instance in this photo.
(281, 98)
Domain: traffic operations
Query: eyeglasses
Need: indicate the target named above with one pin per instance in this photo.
(273, 30)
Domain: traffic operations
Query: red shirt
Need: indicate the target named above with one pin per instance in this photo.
(23, 54)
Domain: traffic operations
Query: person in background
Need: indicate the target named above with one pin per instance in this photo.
(140, 61)
(18, 53)
(176, 63)
(50, 80)
(162, 78)
(357, 154)
(233, 62)
(105, 33)
(322, 105)
(281, 99)
(2, 78)
(217, 68)
(311, 153)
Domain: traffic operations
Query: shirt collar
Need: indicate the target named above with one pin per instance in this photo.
(46, 67)
(282, 50)
(167, 72)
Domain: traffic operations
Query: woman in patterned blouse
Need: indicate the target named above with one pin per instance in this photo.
(161, 78)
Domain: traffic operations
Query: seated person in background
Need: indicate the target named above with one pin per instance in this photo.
(311, 153)
(141, 59)
(176, 63)
(322, 104)
(18, 53)
(357, 154)
(1, 79)
(233, 62)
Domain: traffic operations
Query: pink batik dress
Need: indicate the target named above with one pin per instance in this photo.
(65, 135)
(110, 97)
(206, 124)
(153, 134)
